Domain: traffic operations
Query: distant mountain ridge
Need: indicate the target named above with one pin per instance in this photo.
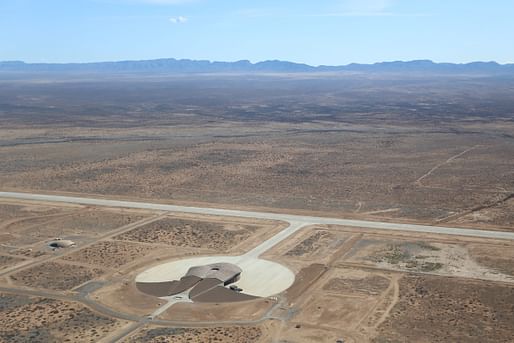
(171, 65)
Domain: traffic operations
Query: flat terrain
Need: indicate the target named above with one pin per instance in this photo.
(357, 285)
(110, 254)
(222, 334)
(361, 277)
(55, 275)
(26, 319)
(373, 154)
(179, 232)
(462, 311)
(406, 147)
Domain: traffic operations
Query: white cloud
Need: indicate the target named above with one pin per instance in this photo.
(178, 20)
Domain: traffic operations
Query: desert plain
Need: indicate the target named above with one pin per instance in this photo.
(399, 149)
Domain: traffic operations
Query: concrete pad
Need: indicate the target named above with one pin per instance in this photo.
(261, 278)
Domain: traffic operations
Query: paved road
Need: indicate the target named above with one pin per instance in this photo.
(305, 220)
(111, 233)
(296, 223)
(71, 297)
(270, 243)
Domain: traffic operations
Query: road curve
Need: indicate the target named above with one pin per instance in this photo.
(305, 220)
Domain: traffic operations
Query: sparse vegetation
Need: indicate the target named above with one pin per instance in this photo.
(54, 275)
(311, 244)
(7, 261)
(464, 311)
(27, 319)
(367, 285)
(409, 256)
(396, 255)
(360, 146)
(340, 153)
(426, 246)
(190, 233)
(110, 254)
(221, 334)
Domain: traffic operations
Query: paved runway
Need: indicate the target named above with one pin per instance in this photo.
(292, 219)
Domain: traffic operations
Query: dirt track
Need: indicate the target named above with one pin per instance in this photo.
(323, 299)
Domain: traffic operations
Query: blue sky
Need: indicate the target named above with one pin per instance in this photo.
(315, 32)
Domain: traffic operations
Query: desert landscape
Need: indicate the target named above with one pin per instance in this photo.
(157, 165)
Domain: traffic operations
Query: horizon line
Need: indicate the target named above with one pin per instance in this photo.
(260, 61)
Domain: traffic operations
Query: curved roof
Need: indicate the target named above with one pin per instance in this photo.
(61, 243)
(221, 271)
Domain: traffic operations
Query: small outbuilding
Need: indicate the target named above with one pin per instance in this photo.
(61, 243)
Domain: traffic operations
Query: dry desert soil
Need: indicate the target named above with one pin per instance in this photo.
(425, 149)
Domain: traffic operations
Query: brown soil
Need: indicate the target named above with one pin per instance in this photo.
(55, 275)
(125, 297)
(371, 285)
(437, 309)
(408, 255)
(304, 278)
(42, 252)
(233, 334)
(247, 310)
(89, 223)
(110, 254)
(16, 211)
(268, 174)
(315, 243)
(447, 258)
(501, 215)
(498, 258)
(312, 244)
(8, 261)
(347, 144)
(94, 222)
(40, 223)
(44, 320)
(300, 333)
(31, 230)
(335, 311)
(6, 237)
(190, 233)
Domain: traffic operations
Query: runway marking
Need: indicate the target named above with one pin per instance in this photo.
(296, 223)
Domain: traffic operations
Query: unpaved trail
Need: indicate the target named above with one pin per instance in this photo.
(418, 182)
(394, 301)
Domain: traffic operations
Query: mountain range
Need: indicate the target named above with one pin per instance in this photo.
(171, 65)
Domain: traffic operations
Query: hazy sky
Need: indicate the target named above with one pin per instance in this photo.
(314, 31)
